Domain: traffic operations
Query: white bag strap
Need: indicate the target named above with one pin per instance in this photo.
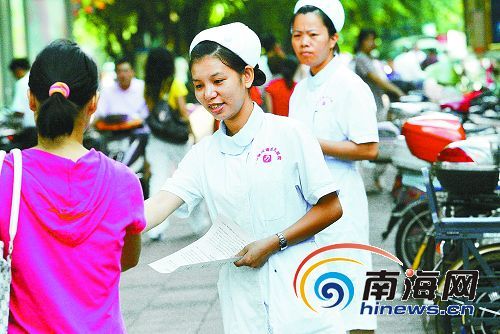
(16, 197)
(2, 157)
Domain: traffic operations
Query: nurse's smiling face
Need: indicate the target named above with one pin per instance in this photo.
(311, 41)
(219, 88)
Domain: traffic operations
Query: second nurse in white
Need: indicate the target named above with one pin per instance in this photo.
(340, 109)
(264, 172)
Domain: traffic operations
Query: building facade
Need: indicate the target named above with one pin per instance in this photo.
(482, 22)
(26, 27)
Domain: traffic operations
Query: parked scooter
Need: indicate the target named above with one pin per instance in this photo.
(390, 140)
(481, 110)
(414, 150)
(123, 139)
(482, 101)
(426, 138)
(10, 129)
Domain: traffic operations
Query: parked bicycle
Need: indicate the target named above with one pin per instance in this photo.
(424, 138)
(460, 239)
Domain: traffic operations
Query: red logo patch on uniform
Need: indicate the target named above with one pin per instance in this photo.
(324, 100)
(269, 154)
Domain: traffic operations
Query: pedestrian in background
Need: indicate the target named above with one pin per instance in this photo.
(264, 172)
(81, 213)
(371, 73)
(339, 108)
(20, 68)
(279, 90)
(125, 96)
(408, 65)
(272, 49)
(163, 155)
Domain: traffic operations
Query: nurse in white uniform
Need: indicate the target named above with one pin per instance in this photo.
(340, 109)
(267, 174)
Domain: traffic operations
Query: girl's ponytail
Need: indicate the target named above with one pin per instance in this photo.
(56, 116)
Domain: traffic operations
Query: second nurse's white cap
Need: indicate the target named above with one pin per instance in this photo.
(332, 8)
(236, 37)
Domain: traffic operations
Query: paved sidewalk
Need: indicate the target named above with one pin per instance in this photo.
(176, 303)
(187, 302)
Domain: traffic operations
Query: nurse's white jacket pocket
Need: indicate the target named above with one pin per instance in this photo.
(269, 199)
(322, 120)
(326, 124)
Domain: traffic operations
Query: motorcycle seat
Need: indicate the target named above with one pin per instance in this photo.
(102, 125)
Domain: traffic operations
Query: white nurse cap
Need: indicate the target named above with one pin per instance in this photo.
(236, 37)
(239, 39)
(332, 8)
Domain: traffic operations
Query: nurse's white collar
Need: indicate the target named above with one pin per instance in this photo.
(236, 144)
(324, 74)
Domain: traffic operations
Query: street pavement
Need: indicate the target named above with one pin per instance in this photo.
(187, 302)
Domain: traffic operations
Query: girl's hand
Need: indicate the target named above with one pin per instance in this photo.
(257, 253)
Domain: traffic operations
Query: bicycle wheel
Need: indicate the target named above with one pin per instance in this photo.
(411, 233)
(488, 314)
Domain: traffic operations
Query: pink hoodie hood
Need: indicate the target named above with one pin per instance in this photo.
(68, 198)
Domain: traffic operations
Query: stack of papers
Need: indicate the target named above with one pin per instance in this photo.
(219, 245)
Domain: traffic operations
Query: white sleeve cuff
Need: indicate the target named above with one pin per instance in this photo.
(320, 192)
(190, 202)
(373, 138)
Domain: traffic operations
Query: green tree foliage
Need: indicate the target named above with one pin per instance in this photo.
(126, 26)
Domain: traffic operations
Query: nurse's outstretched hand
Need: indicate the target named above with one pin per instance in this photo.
(254, 255)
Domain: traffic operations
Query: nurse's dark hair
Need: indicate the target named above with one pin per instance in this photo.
(226, 56)
(326, 21)
(61, 61)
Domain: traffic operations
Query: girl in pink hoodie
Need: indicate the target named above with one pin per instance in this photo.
(81, 213)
